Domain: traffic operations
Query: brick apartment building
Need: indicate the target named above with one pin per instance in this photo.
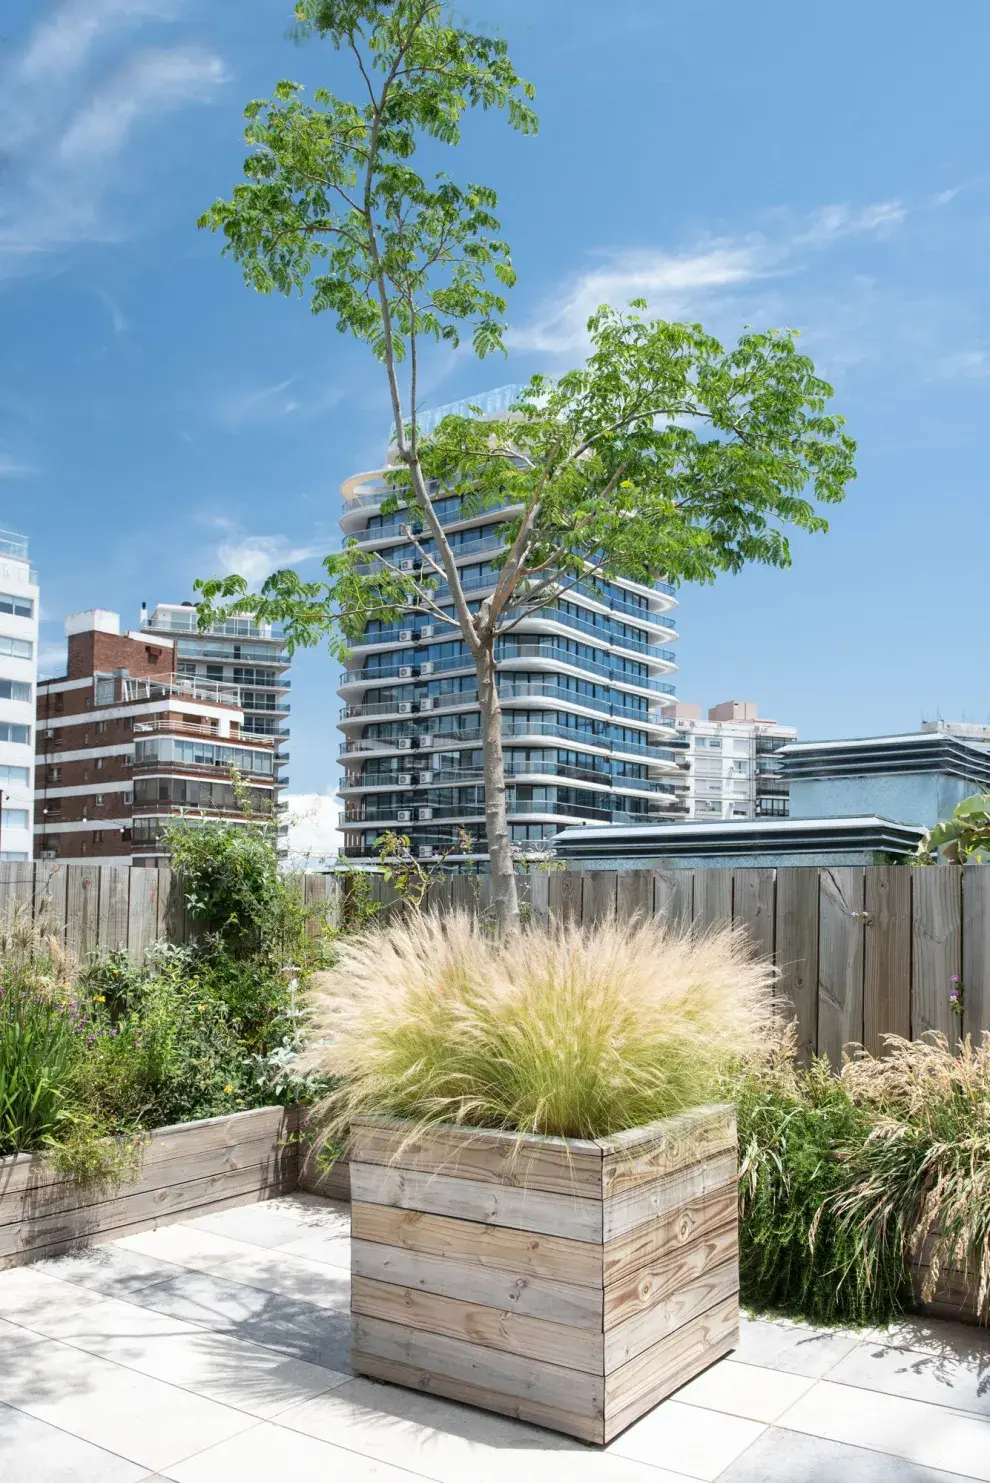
(123, 742)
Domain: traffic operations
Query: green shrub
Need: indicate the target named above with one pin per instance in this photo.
(580, 1032)
(41, 1045)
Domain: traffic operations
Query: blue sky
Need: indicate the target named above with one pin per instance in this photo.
(824, 168)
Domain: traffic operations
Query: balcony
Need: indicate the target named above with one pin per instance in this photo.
(656, 753)
(549, 651)
(547, 808)
(166, 725)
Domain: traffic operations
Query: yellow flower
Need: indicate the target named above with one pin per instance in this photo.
(99, 998)
(201, 1007)
(228, 1089)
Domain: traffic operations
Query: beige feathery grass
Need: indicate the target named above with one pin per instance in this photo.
(573, 1031)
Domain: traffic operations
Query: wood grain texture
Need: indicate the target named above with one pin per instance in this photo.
(633, 1208)
(634, 895)
(887, 958)
(646, 1154)
(754, 894)
(713, 897)
(556, 1165)
(797, 951)
(841, 934)
(694, 1220)
(936, 919)
(641, 1331)
(520, 1408)
(599, 896)
(535, 1297)
(976, 951)
(673, 898)
(523, 1253)
(639, 1385)
(524, 1210)
(502, 1329)
(491, 1370)
(566, 889)
(659, 1281)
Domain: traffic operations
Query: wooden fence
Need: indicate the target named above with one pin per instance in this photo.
(103, 908)
(862, 950)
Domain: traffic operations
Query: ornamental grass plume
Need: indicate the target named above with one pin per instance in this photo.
(924, 1181)
(575, 1031)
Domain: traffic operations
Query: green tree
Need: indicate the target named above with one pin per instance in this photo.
(665, 455)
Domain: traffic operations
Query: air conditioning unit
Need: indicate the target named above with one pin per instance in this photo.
(426, 852)
(427, 740)
(406, 635)
(404, 707)
(404, 815)
(405, 671)
(404, 779)
(427, 667)
(427, 702)
(427, 631)
(425, 777)
(424, 813)
(407, 564)
(405, 743)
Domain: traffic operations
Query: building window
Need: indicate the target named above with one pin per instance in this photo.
(97, 836)
(21, 607)
(101, 726)
(14, 818)
(14, 690)
(11, 733)
(54, 774)
(99, 800)
(16, 648)
(99, 764)
(14, 774)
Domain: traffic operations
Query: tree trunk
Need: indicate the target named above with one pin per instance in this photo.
(505, 896)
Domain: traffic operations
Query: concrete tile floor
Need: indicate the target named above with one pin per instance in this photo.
(217, 1352)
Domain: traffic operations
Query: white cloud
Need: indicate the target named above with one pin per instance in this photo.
(14, 468)
(62, 42)
(944, 197)
(52, 658)
(256, 557)
(154, 80)
(65, 127)
(314, 838)
(679, 285)
(235, 408)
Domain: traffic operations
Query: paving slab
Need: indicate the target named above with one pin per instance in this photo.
(780, 1456)
(32, 1451)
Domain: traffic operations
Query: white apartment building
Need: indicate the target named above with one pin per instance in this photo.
(18, 678)
(729, 761)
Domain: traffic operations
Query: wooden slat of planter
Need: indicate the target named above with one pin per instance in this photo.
(556, 1165)
(645, 1154)
(695, 1220)
(491, 1370)
(639, 1292)
(634, 1208)
(521, 1408)
(643, 1330)
(559, 1302)
(503, 1250)
(47, 1199)
(467, 1199)
(141, 1211)
(453, 1318)
(638, 1386)
(165, 1145)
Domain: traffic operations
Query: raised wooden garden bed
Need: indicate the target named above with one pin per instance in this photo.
(188, 1170)
(569, 1283)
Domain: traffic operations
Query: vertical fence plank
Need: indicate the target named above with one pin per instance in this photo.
(17, 890)
(142, 912)
(634, 894)
(673, 897)
(177, 924)
(462, 892)
(598, 904)
(539, 897)
(712, 897)
(753, 897)
(565, 895)
(797, 951)
(111, 932)
(840, 960)
(82, 904)
(936, 943)
(887, 963)
(976, 951)
(49, 897)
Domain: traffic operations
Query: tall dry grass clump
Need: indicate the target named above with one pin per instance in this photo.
(563, 1030)
(924, 1185)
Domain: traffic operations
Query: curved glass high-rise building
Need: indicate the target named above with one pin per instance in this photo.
(580, 684)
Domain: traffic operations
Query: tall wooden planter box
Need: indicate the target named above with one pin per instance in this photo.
(569, 1283)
